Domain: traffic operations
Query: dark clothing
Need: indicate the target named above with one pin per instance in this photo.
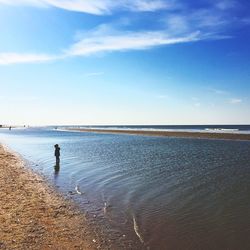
(57, 152)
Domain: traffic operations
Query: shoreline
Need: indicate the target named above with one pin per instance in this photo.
(34, 216)
(179, 134)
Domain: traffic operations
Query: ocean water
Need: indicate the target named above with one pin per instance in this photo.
(150, 192)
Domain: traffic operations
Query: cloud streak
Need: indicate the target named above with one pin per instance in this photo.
(98, 42)
(181, 26)
(235, 101)
(105, 40)
(14, 58)
(96, 7)
(128, 41)
(218, 91)
(226, 4)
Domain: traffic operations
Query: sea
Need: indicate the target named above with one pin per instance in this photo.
(149, 192)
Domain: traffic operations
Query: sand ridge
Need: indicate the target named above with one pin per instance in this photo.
(179, 134)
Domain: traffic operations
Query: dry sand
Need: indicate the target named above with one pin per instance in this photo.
(205, 135)
(34, 216)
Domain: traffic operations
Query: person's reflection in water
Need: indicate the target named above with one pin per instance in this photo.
(57, 169)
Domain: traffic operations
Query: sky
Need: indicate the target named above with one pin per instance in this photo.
(104, 62)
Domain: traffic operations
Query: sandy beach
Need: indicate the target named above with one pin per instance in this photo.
(34, 216)
(205, 135)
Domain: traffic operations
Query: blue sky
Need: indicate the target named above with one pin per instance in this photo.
(124, 62)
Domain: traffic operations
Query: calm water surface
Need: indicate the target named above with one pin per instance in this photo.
(153, 192)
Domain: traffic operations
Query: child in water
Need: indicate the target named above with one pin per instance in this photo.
(57, 154)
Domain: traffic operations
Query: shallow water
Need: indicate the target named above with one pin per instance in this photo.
(153, 192)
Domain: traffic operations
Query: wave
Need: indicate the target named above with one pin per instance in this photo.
(78, 190)
(221, 129)
(136, 229)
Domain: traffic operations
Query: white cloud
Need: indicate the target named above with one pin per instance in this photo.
(218, 91)
(178, 23)
(246, 21)
(96, 7)
(206, 20)
(37, 3)
(226, 4)
(97, 43)
(12, 58)
(103, 43)
(235, 101)
(183, 27)
(196, 101)
(105, 39)
(209, 18)
(149, 5)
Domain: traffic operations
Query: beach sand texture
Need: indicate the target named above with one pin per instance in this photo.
(33, 216)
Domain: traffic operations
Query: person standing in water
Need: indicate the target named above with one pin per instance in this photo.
(57, 154)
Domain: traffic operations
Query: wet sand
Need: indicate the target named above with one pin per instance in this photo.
(205, 135)
(34, 216)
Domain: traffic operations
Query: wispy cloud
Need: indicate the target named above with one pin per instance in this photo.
(235, 101)
(150, 5)
(183, 25)
(100, 41)
(35, 3)
(13, 58)
(196, 101)
(226, 4)
(245, 21)
(101, 7)
(97, 7)
(97, 43)
(197, 104)
(209, 21)
(218, 91)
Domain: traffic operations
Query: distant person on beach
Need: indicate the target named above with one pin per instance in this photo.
(10, 128)
(57, 154)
